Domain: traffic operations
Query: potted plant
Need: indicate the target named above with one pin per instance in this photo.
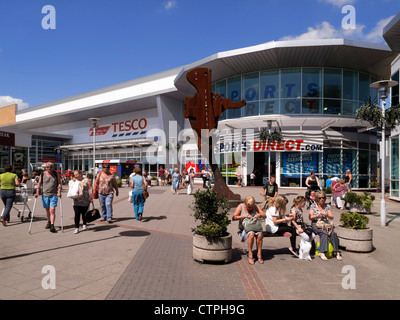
(359, 202)
(354, 233)
(211, 240)
(154, 181)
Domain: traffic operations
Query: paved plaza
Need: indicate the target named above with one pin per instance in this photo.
(152, 259)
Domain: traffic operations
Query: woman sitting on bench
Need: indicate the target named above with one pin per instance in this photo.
(251, 214)
(277, 219)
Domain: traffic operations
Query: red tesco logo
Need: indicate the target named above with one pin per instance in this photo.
(135, 124)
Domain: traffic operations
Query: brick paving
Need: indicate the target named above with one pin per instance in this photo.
(152, 260)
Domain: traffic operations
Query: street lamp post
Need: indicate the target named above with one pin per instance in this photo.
(383, 87)
(94, 125)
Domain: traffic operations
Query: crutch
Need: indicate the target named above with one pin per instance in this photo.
(33, 211)
(61, 215)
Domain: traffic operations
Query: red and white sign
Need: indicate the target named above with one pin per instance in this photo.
(100, 131)
(130, 125)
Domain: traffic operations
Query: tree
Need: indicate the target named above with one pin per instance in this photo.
(372, 113)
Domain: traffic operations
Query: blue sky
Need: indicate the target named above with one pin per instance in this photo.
(98, 43)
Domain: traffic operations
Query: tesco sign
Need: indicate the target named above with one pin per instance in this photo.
(130, 125)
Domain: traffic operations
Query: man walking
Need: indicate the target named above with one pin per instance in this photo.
(51, 185)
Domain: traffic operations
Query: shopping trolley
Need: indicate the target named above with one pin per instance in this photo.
(22, 194)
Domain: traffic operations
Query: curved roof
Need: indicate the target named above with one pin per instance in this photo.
(336, 53)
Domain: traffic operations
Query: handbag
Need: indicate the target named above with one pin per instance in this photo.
(145, 194)
(326, 227)
(92, 215)
(252, 224)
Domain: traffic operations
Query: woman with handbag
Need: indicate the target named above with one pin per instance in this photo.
(81, 203)
(250, 214)
(321, 217)
(138, 184)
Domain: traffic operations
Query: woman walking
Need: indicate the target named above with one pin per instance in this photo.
(8, 183)
(175, 181)
(81, 204)
(139, 184)
(106, 185)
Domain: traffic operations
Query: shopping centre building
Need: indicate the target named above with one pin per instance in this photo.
(308, 90)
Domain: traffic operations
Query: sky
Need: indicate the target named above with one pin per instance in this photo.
(84, 45)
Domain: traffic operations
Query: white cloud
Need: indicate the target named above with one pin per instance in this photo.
(339, 3)
(327, 31)
(376, 34)
(169, 4)
(8, 101)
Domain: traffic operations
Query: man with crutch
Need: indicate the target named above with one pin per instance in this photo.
(50, 182)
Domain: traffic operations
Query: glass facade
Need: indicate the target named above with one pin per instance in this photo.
(337, 157)
(395, 90)
(326, 91)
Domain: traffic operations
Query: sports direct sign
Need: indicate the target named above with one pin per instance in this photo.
(289, 145)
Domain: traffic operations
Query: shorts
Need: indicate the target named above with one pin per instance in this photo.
(49, 202)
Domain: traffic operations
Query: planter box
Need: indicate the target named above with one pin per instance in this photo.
(214, 250)
(154, 182)
(357, 240)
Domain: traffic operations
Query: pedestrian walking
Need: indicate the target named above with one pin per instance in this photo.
(106, 184)
(8, 181)
(191, 176)
(81, 204)
(175, 181)
(138, 185)
(50, 182)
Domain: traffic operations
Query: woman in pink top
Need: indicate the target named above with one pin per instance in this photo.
(339, 191)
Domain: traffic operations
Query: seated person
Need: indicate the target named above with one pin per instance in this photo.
(248, 210)
(339, 190)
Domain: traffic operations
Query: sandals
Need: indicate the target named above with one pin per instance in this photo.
(251, 260)
(322, 256)
(339, 257)
(260, 260)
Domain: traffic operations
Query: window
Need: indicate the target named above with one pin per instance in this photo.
(395, 90)
(332, 83)
(290, 83)
(269, 85)
(350, 85)
(312, 82)
(234, 94)
(364, 82)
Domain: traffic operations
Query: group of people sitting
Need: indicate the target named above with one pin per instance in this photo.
(288, 224)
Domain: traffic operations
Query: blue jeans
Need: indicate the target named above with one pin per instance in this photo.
(8, 197)
(138, 203)
(106, 205)
(324, 239)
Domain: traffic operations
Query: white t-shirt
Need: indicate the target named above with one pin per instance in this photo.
(269, 223)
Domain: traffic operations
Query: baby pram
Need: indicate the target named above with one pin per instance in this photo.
(22, 194)
(308, 194)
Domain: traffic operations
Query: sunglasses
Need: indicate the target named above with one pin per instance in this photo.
(106, 167)
(322, 198)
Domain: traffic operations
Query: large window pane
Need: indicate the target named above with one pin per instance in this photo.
(394, 166)
(395, 90)
(332, 83)
(291, 106)
(332, 162)
(349, 107)
(220, 88)
(350, 85)
(364, 82)
(251, 109)
(291, 83)
(312, 82)
(269, 84)
(332, 106)
(269, 107)
(250, 87)
(311, 106)
(234, 94)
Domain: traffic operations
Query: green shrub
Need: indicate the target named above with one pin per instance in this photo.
(354, 220)
(212, 211)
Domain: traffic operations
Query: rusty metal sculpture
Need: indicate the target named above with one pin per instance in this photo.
(203, 111)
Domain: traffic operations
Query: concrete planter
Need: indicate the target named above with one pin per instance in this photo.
(154, 182)
(357, 240)
(214, 250)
